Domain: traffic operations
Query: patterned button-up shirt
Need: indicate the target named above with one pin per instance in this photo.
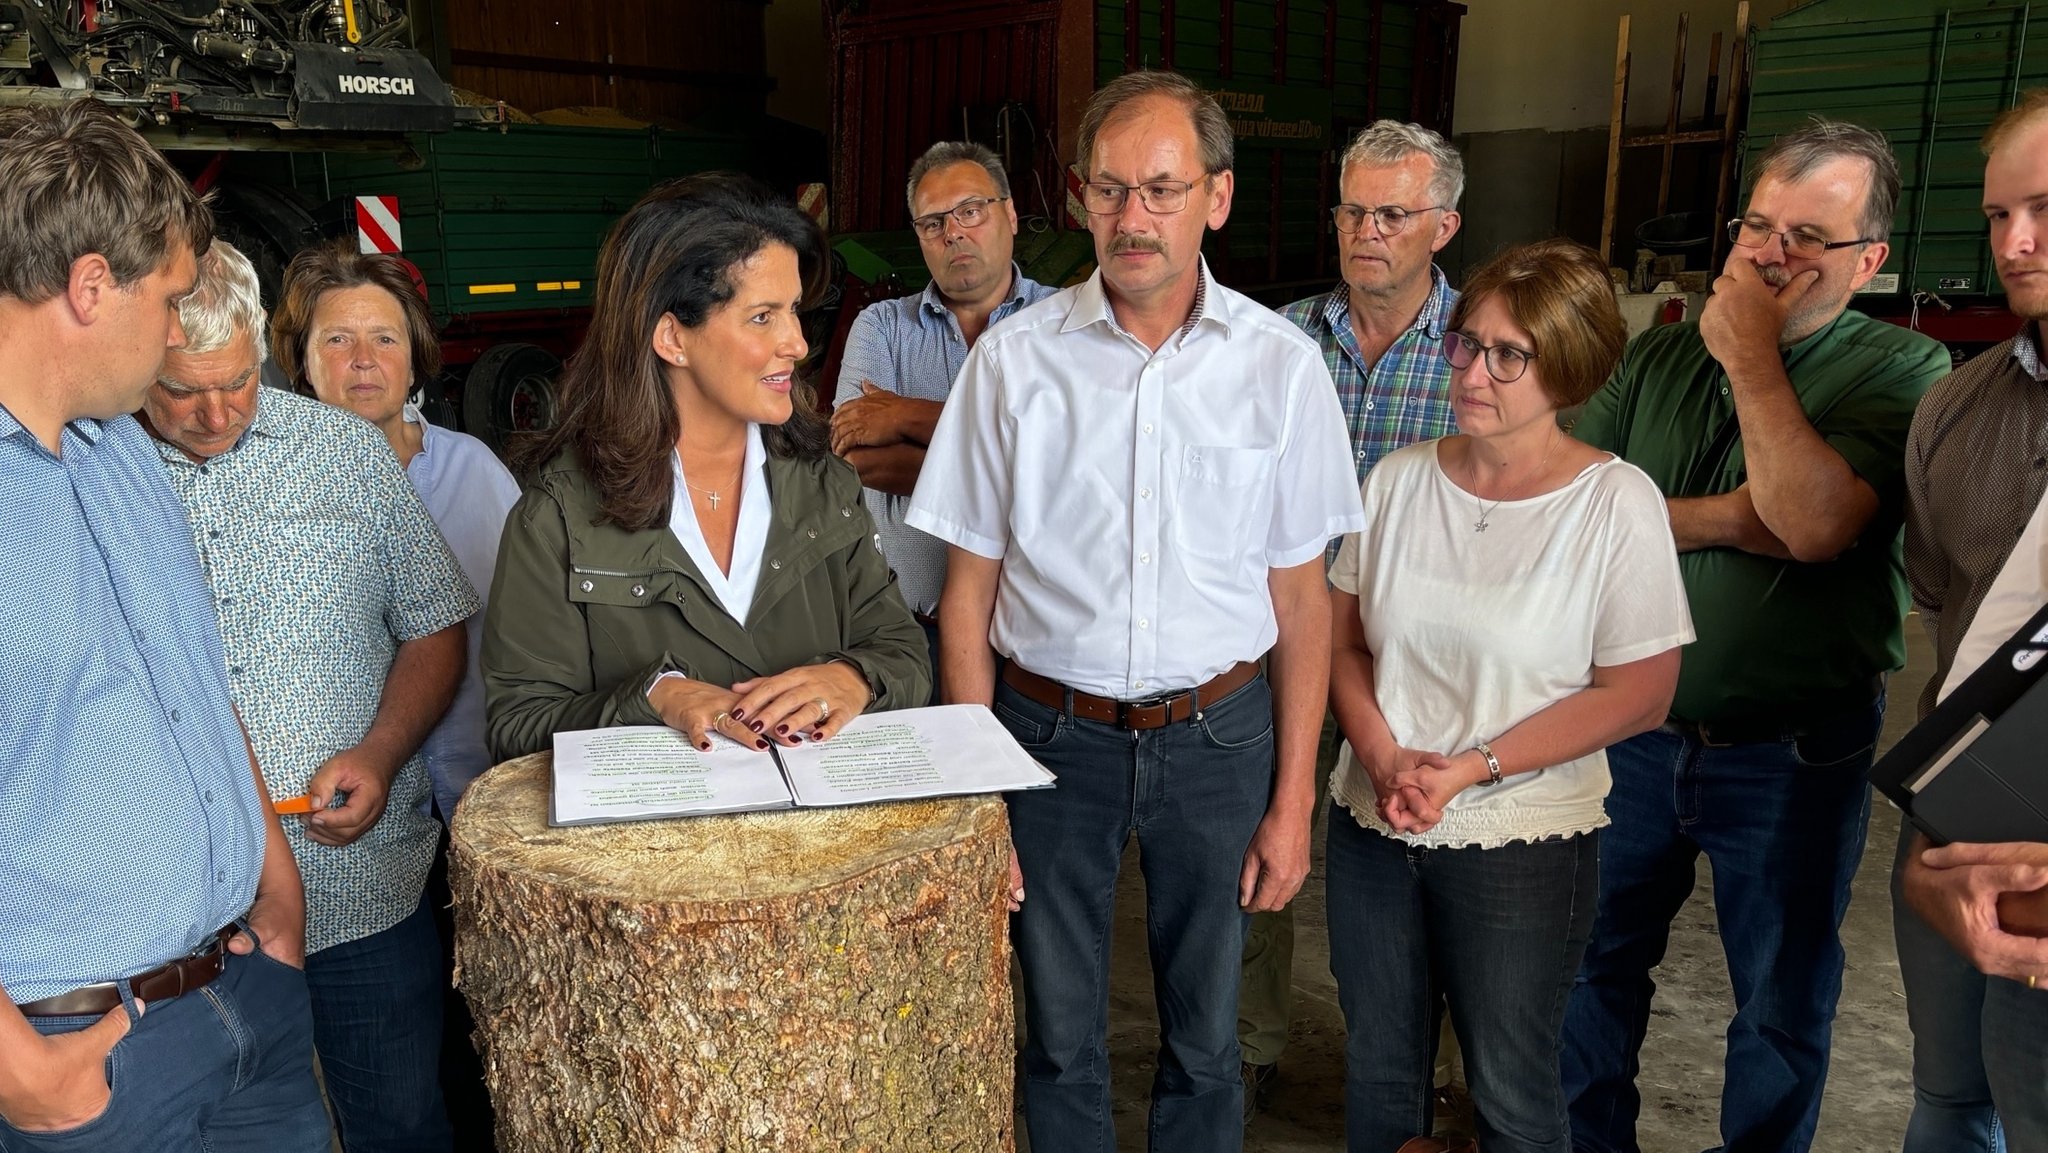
(131, 826)
(913, 346)
(323, 561)
(1402, 398)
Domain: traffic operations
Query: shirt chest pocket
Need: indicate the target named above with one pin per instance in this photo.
(616, 604)
(1224, 500)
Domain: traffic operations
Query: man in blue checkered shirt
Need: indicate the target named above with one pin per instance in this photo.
(1381, 331)
(137, 835)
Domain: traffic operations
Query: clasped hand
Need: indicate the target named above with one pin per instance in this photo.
(1747, 314)
(809, 702)
(1415, 786)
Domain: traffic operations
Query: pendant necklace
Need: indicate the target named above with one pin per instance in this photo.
(711, 494)
(1486, 510)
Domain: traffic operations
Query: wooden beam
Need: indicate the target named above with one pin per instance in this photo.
(1738, 89)
(1671, 115)
(1618, 110)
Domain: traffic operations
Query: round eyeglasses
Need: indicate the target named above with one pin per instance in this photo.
(1504, 362)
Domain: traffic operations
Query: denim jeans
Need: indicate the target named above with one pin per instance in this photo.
(225, 1068)
(1782, 824)
(1193, 793)
(1980, 1046)
(1498, 932)
(377, 1023)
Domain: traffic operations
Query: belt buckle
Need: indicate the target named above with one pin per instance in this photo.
(1123, 708)
(1707, 739)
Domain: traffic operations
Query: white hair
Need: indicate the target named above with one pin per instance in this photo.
(226, 299)
(1388, 142)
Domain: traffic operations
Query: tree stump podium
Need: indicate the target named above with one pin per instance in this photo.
(806, 980)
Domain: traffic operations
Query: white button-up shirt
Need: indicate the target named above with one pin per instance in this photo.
(1137, 499)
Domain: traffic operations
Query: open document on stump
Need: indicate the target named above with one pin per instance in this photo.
(647, 772)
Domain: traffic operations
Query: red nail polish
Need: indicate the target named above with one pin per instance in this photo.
(760, 744)
(797, 739)
(757, 726)
(738, 715)
(705, 747)
(782, 730)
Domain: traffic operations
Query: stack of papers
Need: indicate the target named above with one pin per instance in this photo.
(646, 772)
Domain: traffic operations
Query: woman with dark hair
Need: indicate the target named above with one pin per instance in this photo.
(1515, 608)
(687, 552)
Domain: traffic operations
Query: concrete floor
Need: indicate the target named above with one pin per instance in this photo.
(1869, 1089)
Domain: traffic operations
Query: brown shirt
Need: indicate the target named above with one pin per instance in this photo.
(1976, 466)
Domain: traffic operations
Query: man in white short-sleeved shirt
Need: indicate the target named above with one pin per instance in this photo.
(1138, 477)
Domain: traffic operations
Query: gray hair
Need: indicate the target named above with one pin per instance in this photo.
(1212, 127)
(1388, 142)
(225, 300)
(1799, 154)
(950, 152)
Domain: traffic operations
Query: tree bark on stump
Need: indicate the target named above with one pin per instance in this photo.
(806, 980)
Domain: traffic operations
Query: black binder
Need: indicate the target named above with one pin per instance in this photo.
(1976, 769)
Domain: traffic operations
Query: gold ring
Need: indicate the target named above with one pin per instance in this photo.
(2032, 981)
(721, 718)
(824, 710)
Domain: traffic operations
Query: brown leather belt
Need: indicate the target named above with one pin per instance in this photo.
(167, 980)
(1155, 713)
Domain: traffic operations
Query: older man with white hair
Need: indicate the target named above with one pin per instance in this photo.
(341, 610)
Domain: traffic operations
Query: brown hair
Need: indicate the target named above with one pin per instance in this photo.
(1212, 127)
(1800, 153)
(673, 253)
(2031, 104)
(315, 272)
(80, 181)
(1558, 291)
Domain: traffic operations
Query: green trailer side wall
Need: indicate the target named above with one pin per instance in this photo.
(526, 207)
(1929, 75)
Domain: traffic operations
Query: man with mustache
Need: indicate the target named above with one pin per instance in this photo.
(1776, 427)
(1380, 332)
(1974, 474)
(1138, 476)
(902, 355)
(341, 610)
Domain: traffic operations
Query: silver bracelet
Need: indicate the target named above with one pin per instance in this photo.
(1492, 763)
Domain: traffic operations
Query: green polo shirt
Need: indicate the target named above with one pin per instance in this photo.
(1777, 638)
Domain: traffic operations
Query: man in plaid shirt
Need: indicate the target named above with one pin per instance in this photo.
(1381, 331)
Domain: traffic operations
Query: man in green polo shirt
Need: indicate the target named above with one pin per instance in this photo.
(1776, 427)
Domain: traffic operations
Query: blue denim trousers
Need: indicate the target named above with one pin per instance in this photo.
(1499, 933)
(1193, 794)
(225, 1068)
(1782, 824)
(377, 1022)
(1980, 1046)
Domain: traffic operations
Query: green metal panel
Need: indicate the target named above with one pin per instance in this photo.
(528, 207)
(1929, 75)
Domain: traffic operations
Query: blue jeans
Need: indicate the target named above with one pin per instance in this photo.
(225, 1068)
(377, 1022)
(1980, 1046)
(1499, 932)
(1194, 794)
(1782, 824)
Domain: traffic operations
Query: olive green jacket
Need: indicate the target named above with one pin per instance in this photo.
(584, 615)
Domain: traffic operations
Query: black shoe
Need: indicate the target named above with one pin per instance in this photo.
(1258, 1083)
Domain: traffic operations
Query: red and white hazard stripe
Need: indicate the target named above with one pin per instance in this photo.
(1076, 214)
(377, 225)
(815, 204)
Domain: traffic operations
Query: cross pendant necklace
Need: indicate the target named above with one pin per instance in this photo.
(1486, 510)
(711, 495)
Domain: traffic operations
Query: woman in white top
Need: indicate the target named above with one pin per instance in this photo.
(1513, 608)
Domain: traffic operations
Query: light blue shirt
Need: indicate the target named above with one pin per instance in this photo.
(469, 494)
(130, 830)
(322, 562)
(913, 347)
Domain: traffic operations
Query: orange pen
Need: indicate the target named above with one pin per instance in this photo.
(300, 806)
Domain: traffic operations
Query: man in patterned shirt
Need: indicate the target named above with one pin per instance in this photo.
(902, 355)
(1381, 332)
(342, 613)
(135, 830)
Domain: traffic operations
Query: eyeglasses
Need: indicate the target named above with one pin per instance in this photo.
(970, 213)
(1504, 362)
(1804, 245)
(1163, 197)
(1391, 218)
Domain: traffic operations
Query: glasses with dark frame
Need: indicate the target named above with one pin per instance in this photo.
(1504, 362)
(972, 212)
(1160, 197)
(1805, 245)
(1391, 218)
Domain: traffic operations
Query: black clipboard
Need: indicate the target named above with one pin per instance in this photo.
(1976, 768)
